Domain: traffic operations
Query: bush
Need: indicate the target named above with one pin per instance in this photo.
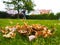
(45, 16)
(50, 16)
(58, 15)
(3, 14)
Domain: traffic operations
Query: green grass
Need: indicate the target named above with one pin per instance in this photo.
(20, 40)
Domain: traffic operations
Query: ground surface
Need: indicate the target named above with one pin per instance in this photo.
(19, 40)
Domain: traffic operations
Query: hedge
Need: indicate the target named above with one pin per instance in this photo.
(51, 17)
(39, 16)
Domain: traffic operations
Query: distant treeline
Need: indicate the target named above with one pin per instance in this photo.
(50, 16)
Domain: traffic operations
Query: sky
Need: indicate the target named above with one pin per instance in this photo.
(53, 5)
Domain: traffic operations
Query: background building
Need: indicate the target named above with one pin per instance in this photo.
(44, 11)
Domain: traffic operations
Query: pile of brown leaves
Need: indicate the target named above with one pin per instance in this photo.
(31, 31)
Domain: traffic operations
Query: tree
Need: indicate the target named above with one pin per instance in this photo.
(58, 15)
(28, 5)
(51, 15)
(20, 4)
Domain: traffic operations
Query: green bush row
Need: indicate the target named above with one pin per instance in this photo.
(50, 16)
(46, 16)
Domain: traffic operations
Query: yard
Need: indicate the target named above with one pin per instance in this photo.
(20, 40)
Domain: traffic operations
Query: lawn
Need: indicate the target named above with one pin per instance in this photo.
(20, 40)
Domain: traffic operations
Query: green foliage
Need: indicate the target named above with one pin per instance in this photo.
(58, 15)
(3, 14)
(50, 16)
(44, 16)
(21, 4)
(28, 5)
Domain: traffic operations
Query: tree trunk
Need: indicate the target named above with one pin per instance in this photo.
(18, 10)
(18, 14)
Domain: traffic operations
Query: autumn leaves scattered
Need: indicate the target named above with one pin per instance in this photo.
(31, 31)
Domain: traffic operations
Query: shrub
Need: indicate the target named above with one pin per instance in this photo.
(3, 14)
